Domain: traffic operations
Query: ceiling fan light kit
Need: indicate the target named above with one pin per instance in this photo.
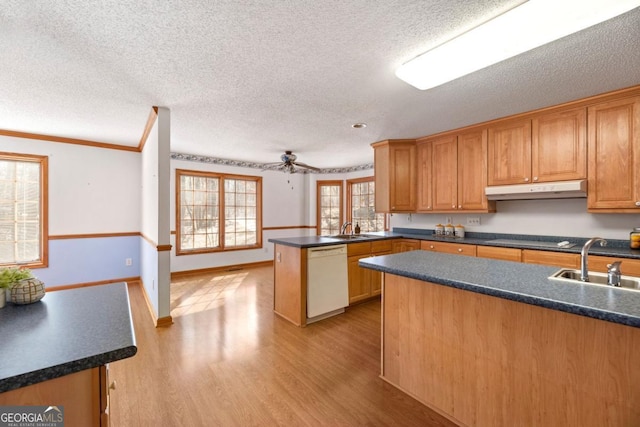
(523, 28)
(289, 164)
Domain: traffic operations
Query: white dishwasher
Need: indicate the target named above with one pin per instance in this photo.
(327, 282)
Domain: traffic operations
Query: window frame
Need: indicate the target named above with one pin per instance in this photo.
(328, 183)
(349, 216)
(43, 260)
(221, 214)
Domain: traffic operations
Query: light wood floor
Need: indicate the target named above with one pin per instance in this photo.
(228, 360)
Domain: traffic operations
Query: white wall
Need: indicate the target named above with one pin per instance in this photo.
(91, 191)
(534, 217)
(88, 187)
(154, 176)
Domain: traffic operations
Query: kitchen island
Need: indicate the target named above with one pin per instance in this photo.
(496, 343)
(56, 351)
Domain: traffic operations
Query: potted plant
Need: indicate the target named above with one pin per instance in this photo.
(8, 278)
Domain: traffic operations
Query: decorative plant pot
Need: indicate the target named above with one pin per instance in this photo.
(27, 291)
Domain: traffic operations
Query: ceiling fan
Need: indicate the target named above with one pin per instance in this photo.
(289, 164)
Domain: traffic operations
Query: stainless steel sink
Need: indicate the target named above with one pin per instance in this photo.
(349, 236)
(595, 278)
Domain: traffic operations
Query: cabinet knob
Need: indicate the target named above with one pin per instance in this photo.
(459, 206)
(637, 203)
(430, 246)
(459, 249)
(535, 178)
(526, 179)
(393, 208)
(453, 206)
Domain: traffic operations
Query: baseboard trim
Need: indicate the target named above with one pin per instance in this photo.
(226, 268)
(87, 284)
(164, 322)
(157, 322)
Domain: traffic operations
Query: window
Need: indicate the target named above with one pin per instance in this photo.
(361, 206)
(23, 210)
(217, 212)
(329, 207)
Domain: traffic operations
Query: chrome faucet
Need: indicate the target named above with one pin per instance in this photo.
(614, 273)
(344, 227)
(584, 271)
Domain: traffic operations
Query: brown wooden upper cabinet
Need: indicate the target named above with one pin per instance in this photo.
(548, 147)
(614, 156)
(395, 175)
(452, 173)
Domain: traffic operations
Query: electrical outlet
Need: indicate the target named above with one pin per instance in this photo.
(127, 262)
(473, 220)
(448, 220)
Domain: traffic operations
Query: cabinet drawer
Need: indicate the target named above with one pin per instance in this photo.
(559, 259)
(381, 246)
(449, 248)
(629, 267)
(505, 254)
(361, 248)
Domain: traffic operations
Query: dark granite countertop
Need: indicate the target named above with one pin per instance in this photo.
(65, 332)
(615, 248)
(526, 283)
(316, 241)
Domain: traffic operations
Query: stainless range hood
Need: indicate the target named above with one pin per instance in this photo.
(543, 190)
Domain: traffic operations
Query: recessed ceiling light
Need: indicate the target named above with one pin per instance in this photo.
(528, 26)
(359, 125)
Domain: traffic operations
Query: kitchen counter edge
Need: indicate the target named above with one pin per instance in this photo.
(78, 354)
(525, 283)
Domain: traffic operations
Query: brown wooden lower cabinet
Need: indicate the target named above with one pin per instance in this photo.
(405, 245)
(559, 259)
(84, 396)
(449, 248)
(363, 282)
(487, 361)
(495, 252)
(629, 267)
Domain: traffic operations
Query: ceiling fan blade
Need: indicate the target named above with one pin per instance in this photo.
(306, 166)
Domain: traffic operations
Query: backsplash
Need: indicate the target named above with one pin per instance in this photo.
(578, 241)
(560, 217)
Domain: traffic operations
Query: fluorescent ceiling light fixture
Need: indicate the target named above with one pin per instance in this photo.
(526, 27)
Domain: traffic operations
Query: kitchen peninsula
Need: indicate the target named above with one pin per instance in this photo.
(496, 343)
(56, 351)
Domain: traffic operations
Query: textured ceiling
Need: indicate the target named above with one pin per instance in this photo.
(247, 80)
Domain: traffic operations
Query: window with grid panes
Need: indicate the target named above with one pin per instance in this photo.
(217, 212)
(361, 206)
(23, 210)
(329, 207)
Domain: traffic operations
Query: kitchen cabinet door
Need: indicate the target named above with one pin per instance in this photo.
(509, 153)
(444, 152)
(424, 185)
(629, 267)
(449, 248)
(559, 146)
(614, 156)
(558, 259)
(375, 279)
(359, 279)
(504, 254)
(395, 175)
(405, 245)
(472, 171)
